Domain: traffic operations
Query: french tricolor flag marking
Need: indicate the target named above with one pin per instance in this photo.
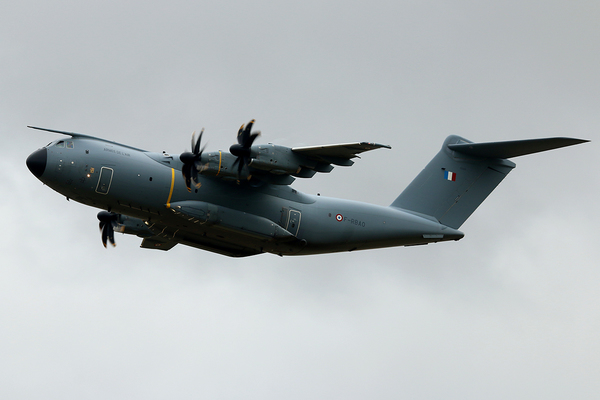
(451, 176)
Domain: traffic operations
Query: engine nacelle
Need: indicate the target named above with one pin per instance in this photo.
(276, 159)
(218, 163)
(132, 226)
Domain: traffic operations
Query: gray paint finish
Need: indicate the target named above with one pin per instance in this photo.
(242, 217)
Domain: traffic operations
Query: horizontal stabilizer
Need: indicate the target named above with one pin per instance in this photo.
(513, 148)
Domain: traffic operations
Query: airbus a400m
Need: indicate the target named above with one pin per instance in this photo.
(240, 203)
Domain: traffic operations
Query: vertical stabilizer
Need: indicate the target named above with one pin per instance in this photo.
(463, 174)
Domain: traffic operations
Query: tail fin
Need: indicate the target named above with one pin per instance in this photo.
(460, 177)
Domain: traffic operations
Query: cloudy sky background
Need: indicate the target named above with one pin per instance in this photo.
(512, 310)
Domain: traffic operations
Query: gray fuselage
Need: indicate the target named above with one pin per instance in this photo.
(222, 215)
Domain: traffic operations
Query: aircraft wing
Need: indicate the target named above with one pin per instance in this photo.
(281, 165)
(339, 154)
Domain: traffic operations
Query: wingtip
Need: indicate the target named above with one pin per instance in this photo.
(56, 131)
(574, 141)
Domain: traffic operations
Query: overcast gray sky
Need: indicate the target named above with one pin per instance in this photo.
(512, 310)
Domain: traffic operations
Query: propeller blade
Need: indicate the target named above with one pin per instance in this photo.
(196, 148)
(241, 150)
(253, 137)
(191, 161)
(186, 172)
(110, 234)
(104, 235)
(194, 176)
(247, 132)
(108, 222)
(240, 135)
(240, 167)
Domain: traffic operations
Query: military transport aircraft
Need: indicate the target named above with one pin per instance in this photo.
(240, 203)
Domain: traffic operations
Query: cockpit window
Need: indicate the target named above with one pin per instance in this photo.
(69, 144)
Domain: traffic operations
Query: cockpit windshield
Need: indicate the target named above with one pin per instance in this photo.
(69, 144)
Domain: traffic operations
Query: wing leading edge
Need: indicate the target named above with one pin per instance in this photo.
(339, 154)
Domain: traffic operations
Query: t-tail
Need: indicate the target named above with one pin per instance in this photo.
(460, 177)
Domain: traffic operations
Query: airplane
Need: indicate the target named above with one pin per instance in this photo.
(240, 203)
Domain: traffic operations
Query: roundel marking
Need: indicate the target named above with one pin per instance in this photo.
(339, 217)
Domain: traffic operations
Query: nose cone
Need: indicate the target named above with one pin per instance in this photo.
(36, 162)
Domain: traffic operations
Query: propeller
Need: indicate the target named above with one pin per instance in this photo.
(242, 149)
(190, 162)
(108, 222)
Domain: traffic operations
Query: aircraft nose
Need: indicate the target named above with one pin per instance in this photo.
(36, 162)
